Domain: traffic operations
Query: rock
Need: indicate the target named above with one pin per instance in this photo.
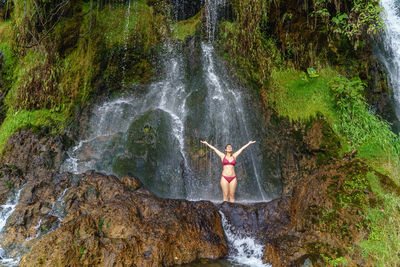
(33, 154)
(317, 223)
(131, 182)
(260, 220)
(115, 225)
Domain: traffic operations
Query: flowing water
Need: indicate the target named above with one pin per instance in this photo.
(243, 248)
(126, 29)
(153, 132)
(5, 212)
(389, 49)
(156, 136)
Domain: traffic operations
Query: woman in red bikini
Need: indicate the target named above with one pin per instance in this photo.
(228, 181)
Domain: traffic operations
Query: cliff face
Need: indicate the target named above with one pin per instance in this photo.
(339, 173)
(312, 62)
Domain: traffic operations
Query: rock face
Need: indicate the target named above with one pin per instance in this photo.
(258, 220)
(97, 220)
(112, 222)
(322, 222)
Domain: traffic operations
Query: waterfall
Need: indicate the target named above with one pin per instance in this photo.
(211, 12)
(242, 248)
(126, 31)
(5, 212)
(155, 134)
(222, 119)
(390, 52)
(228, 103)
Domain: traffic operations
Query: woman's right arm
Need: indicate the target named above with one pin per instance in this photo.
(219, 153)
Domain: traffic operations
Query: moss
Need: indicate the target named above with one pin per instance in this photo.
(185, 28)
(24, 118)
(298, 97)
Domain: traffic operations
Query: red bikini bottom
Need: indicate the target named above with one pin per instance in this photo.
(229, 179)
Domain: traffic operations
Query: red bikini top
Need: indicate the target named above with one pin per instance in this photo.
(226, 162)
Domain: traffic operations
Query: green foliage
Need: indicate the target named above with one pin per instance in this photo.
(244, 43)
(334, 262)
(361, 16)
(10, 185)
(82, 251)
(312, 73)
(249, 67)
(299, 98)
(364, 130)
(88, 44)
(383, 242)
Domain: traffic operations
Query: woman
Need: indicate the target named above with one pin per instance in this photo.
(228, 177)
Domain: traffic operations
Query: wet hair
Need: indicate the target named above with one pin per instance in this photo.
(227, 145)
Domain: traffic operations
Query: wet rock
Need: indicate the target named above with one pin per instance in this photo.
(116, 224)
(10, 179)
(34, 154)
(260, 220)
(319, 224)
(152, 154)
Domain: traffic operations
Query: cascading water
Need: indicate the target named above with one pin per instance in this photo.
(242, 248)
(5, 212)
(211, 12)
(389, 52)
(227, 104)
(126, 29)
(154, 133)
(114, 126)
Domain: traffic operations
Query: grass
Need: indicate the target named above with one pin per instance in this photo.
(383, 243)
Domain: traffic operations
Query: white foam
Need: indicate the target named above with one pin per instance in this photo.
(6, 211)
(242, 249)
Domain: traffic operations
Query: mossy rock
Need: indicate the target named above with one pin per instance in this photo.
(152, 154)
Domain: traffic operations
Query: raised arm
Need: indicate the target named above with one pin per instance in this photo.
(219, 153)
(237, 153)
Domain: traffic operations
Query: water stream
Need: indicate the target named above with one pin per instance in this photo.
(153, 132)
(389, 49)
(242, 248)
(5, 212)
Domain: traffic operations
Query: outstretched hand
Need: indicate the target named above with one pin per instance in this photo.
(251, 142)
(204, 142)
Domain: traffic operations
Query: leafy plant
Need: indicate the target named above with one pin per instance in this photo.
(312, 73)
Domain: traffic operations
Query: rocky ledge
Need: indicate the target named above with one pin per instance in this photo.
(93, 219)
(110, 221)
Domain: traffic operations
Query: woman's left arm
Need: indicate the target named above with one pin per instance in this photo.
(237, 153)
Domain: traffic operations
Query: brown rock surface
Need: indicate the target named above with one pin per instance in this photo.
(108, 223)
(319, 223)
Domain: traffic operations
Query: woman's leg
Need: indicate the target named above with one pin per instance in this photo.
(232, 189)
(225, 188)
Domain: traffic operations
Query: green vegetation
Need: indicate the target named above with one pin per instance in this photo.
(52, 65)
(188, 27)
(29, 119)
(362, 15)
(383, 243)
(298, 97)
(322, 91)
(334, 262)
